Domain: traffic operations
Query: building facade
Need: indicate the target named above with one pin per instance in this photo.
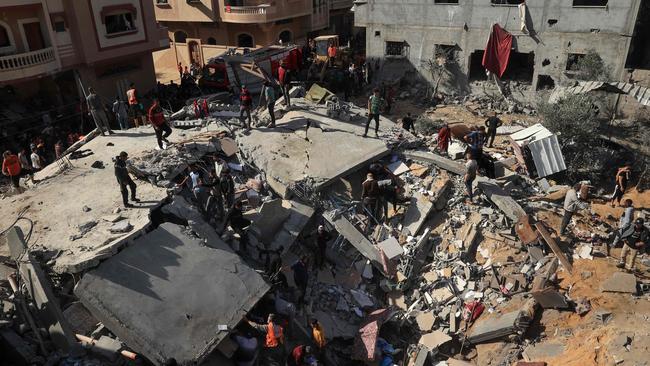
(201, 29)
(556, 34)
(107, 43)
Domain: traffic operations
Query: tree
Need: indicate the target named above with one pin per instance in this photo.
(440, 65)
(592, 67)
(572, 118)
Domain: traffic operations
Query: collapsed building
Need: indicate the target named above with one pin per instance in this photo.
(444, 281)
(548, 37)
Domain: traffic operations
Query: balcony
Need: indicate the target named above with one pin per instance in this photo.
(341, 4)
(27, 65)
(264, 13)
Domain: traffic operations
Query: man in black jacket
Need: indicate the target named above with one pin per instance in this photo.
(492, 123)
(123, 179)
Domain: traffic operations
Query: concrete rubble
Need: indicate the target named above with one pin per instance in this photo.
(424, 275)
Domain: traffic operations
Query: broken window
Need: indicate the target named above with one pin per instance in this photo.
(446, 51)
(396, 49)
(521, 67)
(506, 2)
(118, 23)
(476, 69)
(445, 1)
(180, 37)
(545, 82)
(572, 60)
(639, 54)
(4, 37)
(589, 2)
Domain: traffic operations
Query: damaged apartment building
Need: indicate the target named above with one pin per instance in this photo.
(548, 37)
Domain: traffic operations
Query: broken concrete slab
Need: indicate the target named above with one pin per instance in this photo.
(165, 294)
(391, 248)
(496, 327)
(543, 351)
(39, 286)
(549, 298)
(439, 161)
(620, 282)
(425, 321)
(270, 218)
(500, 198)
(434, 340)
(299, 150)
(357, 239)
(416, 214)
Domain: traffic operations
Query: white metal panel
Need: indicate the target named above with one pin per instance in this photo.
(547, 156)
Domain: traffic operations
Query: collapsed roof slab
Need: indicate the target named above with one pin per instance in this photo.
(307, 144)
(166, 295)
(60, 204)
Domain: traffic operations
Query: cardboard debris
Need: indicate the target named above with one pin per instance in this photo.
(425, 320)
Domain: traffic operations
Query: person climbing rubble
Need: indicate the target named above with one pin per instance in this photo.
(322, 237)
(571, 201)
(273, 352)
(622, 179)
(408, 123)
(302, 356)
(227, 185)
(284, 79)
(492, 123)
(124, 179)
(239, 224)
(159, 124)
(301, 278)
(634, 240)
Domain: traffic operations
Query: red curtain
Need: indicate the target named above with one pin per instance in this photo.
(497, 51)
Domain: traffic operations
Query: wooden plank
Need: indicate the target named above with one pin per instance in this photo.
(554, 247)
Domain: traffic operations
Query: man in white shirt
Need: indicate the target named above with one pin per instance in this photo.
(471, 167)
(37, 162)
(570, 206)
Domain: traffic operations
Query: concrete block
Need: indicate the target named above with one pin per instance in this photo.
(620, 282)
(165, 294)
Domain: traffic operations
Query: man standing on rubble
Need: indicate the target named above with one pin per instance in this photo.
(134, 106)
(625, 222)
(492, 123)
(121, 113)
(471, 168)
(633, 241)
(318, 334)
(322, 237)
(239, 224)
(274, 340)
(159, 124)
(98, 112)
(11, 168)
(370, 195)
(375, 103)
(227, 185)
(570, 206)
(284, 78)
(124, 180)
(301, 278)
(246, 103)
(622, 178)
(269, 95)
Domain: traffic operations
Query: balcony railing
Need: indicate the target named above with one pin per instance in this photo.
(341, 4)
(29, 59)
(264, 13)
(28, 64)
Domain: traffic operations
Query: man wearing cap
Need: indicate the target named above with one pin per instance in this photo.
(124, 180)
(633, 241)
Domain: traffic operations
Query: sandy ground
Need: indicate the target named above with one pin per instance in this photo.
(56, 205)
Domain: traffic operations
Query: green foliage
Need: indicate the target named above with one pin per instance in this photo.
(592, 67)
(572, 118)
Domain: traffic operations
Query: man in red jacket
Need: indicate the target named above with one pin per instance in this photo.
(159, 124)
(11, 168)
(246, 103)
(284, 77)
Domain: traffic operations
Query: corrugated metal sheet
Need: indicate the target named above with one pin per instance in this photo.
(640, 93)
(547, 156)
(544, 148)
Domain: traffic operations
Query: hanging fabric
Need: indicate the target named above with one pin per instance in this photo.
(497, 51)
